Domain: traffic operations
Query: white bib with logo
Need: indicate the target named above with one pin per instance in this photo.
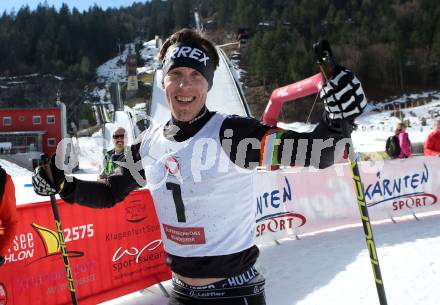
(204, 202)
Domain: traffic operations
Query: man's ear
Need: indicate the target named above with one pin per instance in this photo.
(163, 85)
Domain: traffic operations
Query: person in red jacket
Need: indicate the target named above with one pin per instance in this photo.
(8, 214)
(432, 144)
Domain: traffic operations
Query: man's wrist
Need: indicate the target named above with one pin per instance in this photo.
(67, 188)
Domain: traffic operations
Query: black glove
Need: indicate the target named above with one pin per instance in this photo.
(343, 96)
(41, 182)
(2, 260)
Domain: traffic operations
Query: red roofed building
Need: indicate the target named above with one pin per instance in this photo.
(32, 130)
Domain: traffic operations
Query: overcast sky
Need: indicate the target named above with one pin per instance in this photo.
(81, 5)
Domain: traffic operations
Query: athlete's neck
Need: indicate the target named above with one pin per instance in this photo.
(180, 131)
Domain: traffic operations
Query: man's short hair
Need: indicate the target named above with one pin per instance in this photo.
(120, 129)
(189, 36)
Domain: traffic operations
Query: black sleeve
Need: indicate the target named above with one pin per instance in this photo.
(243, 140)
(105, 195)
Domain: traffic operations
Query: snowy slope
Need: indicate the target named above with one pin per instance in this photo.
(334, 267)
(149, 54)
(91, 148)
(115, 68)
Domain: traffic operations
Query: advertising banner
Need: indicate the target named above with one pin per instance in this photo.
(302, 200)
(112, 252)
(116, 251)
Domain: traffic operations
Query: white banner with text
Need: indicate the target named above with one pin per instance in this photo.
(302, 200)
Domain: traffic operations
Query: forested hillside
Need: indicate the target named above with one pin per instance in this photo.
(393, 45)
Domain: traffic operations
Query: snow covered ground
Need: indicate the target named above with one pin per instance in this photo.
(13, 169)
(374, 128)
(333, 267)
(115, 68)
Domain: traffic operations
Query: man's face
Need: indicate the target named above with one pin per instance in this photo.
(186, 90)
(119, 140)
(437, 125)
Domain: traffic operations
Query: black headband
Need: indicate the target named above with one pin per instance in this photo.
(190, 55)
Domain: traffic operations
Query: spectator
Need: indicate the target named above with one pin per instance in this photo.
(432, 144)
(8, 214)
(115, 155)
(404, 142)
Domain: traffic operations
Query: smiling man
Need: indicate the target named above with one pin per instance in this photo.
(199, 167)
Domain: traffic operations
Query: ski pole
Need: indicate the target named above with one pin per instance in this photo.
(326, 63)
(56, 215)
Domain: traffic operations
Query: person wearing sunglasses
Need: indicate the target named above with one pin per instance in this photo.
(115, 155)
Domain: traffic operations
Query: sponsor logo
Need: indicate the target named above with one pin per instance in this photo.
(282, 221)
(52, 241)
(185, 236)
(172, 166)
(136, 211)
(23, 248)
(132, 232)
(189, 52)
(274, 217)
(24, 244)
(243, 278)
(125, 258)
(403, 192)
(275, 198)
(50, 278)
(208, 294)
(258, 289)
(415, 201)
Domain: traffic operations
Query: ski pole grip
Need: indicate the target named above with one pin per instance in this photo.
(46, 166)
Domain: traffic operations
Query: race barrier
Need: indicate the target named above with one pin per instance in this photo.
(117, 251)
(112, 252)
(303, 200)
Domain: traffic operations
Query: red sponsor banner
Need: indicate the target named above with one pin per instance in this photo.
(112, 252)
(185, 236)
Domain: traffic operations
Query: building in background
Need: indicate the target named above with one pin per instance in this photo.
(25, 133)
